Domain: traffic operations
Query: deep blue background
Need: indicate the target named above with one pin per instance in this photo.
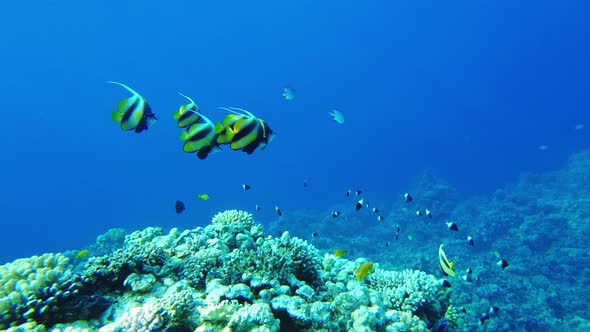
(468, 88)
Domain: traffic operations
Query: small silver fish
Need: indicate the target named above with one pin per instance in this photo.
(337, 116)
(288, 93)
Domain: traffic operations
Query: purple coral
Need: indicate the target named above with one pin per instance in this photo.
(142, 319)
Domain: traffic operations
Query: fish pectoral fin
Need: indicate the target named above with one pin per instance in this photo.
(117, 116)
(451, 264)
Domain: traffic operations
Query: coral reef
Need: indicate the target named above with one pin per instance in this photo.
(406, 290)
(43, 290)
(108, 242)
(147, 317)
(539, 224)
(231, 276)
(111, 270)
(227, 276)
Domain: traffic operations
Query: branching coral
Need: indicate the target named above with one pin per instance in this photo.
(109, 271)
(233, 218)
(406, 290)
(230, 226)
(291, 261)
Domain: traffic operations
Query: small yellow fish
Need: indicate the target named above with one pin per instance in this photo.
(339, 253)
(82, 254)
(363, 271)
(203, 197)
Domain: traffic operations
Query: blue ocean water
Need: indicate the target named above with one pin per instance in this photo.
(467, 90)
